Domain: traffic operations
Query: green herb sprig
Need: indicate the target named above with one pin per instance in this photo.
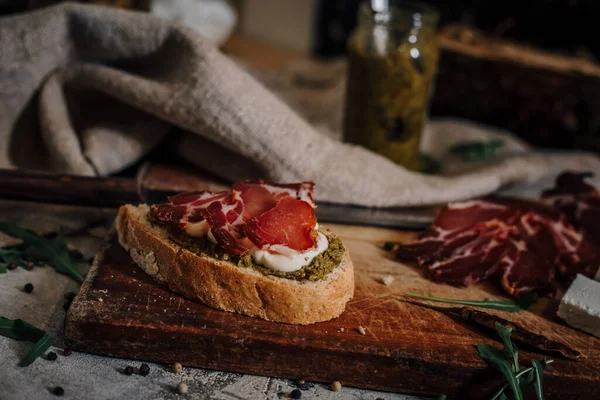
(523, 303)
(476, 150)
(8, 256)
(21, 330)
(506, 361)
(38, 249)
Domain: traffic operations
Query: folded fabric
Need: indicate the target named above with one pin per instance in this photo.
(89, 90)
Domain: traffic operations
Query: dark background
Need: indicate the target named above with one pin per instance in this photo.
(566, 26)
(546, 106)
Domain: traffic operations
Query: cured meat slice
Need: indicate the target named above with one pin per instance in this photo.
(521, 245)
(474, 260)
(250, 199)
(226, 223)
(256, 199)
(228, 212)
(585, 261)
(462, 215)
(195, 199)
(570, 183)
(523, 270)
(428, 249)
(301, 191)
(290, 223)
(186, 207)
(578, 200)
(169, 213)
(453, 223)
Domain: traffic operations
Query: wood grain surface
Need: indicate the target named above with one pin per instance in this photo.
(407, 348)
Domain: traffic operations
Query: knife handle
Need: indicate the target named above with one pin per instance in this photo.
(67, 189)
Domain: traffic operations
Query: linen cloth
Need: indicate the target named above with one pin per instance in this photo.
(89, 90)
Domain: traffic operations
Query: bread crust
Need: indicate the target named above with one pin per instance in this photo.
(224, 285)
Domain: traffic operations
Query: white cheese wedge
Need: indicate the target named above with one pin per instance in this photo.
(580, 306)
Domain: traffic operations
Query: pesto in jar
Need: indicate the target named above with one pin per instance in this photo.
(392, 57)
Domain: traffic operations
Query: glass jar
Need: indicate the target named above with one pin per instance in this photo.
(392, 57)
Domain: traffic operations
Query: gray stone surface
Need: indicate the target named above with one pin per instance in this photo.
(85, 376)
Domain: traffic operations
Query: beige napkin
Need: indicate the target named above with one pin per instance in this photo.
(89, 90)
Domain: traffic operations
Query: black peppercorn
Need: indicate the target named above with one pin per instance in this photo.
(28, 288)
(296, 394)
(58, 391)
(144, 370)
(52, 356)
(128, 370)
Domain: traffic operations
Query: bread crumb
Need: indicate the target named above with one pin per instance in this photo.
(336, 386)
(362, 330)
(387, 280)
(182, 388)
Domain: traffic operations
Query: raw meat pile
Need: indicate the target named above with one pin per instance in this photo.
(526, 248)
(252, 213)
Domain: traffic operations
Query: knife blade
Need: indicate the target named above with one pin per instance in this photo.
(114, 192)
(417, 218)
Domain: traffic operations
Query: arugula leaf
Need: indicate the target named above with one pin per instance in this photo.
(499, 359)
(509, 306)
(495, 358)
(503, 396)
(20, 330)
(529, 377)
(509, 347)
(38, 248)
(524, 381)
(538, 369)
(37, 350)
(8, 256)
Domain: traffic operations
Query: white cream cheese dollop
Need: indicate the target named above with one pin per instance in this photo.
(197, 229)
(275, 257)
(283, 259)
(200, 229)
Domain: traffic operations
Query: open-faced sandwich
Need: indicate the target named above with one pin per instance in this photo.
(255, 249)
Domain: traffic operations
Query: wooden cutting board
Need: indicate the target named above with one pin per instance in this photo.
(120, 311)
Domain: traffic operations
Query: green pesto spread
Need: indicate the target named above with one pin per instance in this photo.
(320, 266)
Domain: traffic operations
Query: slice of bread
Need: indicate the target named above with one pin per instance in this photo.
(224, 285)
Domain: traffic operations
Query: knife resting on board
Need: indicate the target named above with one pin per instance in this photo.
(155, 182)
